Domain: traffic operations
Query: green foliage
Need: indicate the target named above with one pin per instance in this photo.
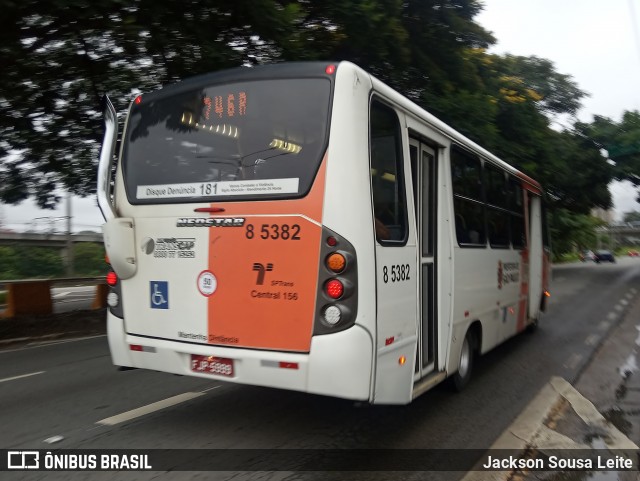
(553, 92)
(59, 57)
(88, 259)
(19, 262)
(575, 174)
(569, 231)
(621, 140)
(30, 262)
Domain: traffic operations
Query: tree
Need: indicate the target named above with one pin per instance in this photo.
(622, 142)
(554, 93)
(569, 231)
(59, 57)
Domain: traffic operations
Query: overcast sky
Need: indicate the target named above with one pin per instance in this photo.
(596, 42)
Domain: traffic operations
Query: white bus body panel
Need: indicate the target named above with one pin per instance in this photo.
(338, 365)
(119, 242)
(347, 204)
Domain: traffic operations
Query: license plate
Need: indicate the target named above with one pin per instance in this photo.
(219, 366)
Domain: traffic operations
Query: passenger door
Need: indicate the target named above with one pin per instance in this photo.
(396, 258)
(423, 170)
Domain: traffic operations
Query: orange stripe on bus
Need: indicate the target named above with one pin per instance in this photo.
(267, 273)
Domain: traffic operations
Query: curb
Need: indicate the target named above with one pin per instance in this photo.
(532, 428)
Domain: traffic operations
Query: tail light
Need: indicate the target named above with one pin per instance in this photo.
(114, 296)
(337, 299)
(334, 289)
(112, 278)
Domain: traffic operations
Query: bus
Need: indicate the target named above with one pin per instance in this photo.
(304, 226)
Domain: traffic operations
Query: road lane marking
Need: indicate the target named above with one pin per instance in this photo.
(7, 379)
(592, 340)
(624, 302)
(211, 388)
(35, 345)
(612, 316)
(149, 408)
(573, 361)
(63, 341)
(604, 325)
(54, 439)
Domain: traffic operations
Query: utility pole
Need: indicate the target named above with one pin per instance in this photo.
(70, 266)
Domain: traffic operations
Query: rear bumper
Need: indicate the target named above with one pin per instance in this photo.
(338, 365)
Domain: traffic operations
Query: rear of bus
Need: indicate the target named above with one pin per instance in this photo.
(223, 267)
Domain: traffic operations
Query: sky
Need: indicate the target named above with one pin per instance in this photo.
(596, 42)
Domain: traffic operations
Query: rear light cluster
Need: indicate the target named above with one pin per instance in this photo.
(114, 297)
(337, 296)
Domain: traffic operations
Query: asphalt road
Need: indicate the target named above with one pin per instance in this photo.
(68, 395)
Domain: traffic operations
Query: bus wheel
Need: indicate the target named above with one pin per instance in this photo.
(465, 364)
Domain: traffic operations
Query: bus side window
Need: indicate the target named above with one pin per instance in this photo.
(387, 180)
(468, 205)
(518, 232)
(497, 205)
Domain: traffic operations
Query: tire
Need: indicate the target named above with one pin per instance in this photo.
(533, 327)
(465, 363)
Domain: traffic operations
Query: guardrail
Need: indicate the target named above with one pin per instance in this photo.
(33, 296)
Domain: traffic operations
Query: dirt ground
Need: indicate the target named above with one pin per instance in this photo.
(50, 327)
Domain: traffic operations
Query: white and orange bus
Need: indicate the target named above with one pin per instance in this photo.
(304, 226)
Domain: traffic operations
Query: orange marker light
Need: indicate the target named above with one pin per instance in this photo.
(547, 293)
(336, 262)
(402, 361)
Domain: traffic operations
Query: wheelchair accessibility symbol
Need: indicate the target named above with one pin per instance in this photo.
(159, 294)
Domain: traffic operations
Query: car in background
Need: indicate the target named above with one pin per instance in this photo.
(633, 253)
(604, 256)
(587, 255)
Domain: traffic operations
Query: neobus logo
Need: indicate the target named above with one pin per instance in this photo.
(210, 222)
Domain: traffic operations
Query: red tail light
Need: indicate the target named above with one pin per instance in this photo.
(334, 289)
(112, 278)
